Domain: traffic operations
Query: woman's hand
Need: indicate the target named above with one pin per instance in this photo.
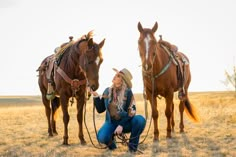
(94, 93)
(118, 130)
(131, 112)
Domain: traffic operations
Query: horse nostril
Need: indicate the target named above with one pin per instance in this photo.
(93, 87)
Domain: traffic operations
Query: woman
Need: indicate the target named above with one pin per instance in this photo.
(119, 104)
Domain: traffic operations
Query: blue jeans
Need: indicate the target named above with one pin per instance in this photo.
(135, 126)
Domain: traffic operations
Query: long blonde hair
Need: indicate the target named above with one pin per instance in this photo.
(120, 95)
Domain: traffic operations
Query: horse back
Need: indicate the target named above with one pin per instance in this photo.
(177, 74)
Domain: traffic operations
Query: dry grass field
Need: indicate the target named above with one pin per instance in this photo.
(23, 129)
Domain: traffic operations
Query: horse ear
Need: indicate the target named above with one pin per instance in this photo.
(140, 28)
(154, 28)
(101, 43)
(90, 43)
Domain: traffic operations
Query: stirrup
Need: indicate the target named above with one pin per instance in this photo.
(50, 92)
(50, 96)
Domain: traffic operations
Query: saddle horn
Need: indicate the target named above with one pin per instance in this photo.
(71, 38)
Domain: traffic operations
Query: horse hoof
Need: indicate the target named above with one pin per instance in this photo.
(55, 133)
(168, 137)
(83, 142)
(65, 143)
(181, 131)
(50, 135)
(156, 139)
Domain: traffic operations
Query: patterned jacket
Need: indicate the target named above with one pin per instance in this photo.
(129, 105)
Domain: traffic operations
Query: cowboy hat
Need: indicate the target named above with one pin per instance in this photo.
(126, 75)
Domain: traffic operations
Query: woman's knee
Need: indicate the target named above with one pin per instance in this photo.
(139, 120)
(105, 133)
(103, 137)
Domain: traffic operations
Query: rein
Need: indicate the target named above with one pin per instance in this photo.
(101, 147)
(122, 137)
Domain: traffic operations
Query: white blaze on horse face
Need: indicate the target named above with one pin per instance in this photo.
(146, 41)
(97, 60)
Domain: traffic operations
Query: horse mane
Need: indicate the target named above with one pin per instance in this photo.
(71, 54)
(71, 57)
(86, 37)
(90, 35)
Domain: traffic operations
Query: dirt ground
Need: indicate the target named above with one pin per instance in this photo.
(23, 129)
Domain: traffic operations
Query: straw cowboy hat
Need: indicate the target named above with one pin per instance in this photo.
(126, 75)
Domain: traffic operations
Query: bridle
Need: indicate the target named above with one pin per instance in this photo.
(149, 73)
(87, 62)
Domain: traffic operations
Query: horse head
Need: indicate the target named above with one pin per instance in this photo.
(147, 45)
(91, 59)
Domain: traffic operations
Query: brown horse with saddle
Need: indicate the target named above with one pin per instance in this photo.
(66, 74)
(165, 71)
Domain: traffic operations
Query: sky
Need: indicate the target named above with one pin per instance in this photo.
(30, 30)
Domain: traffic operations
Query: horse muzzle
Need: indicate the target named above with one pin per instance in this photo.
(147, 67)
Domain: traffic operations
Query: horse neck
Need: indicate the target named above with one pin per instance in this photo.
(71, 65)
(161, 59)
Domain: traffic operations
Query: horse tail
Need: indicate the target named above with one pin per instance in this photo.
(190, 110)
(55, 106)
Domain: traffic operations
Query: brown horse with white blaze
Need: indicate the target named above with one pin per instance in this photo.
(165, 71)
(76, 68)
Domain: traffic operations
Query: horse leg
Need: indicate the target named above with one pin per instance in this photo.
(66, 117)
(181, 111)
(182, 106)
(172, 118)
(48, 113)
(155, 115)
(80, 106)
(169, 113)
(55, 105)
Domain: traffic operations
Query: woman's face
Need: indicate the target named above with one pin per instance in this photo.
(117, 80)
